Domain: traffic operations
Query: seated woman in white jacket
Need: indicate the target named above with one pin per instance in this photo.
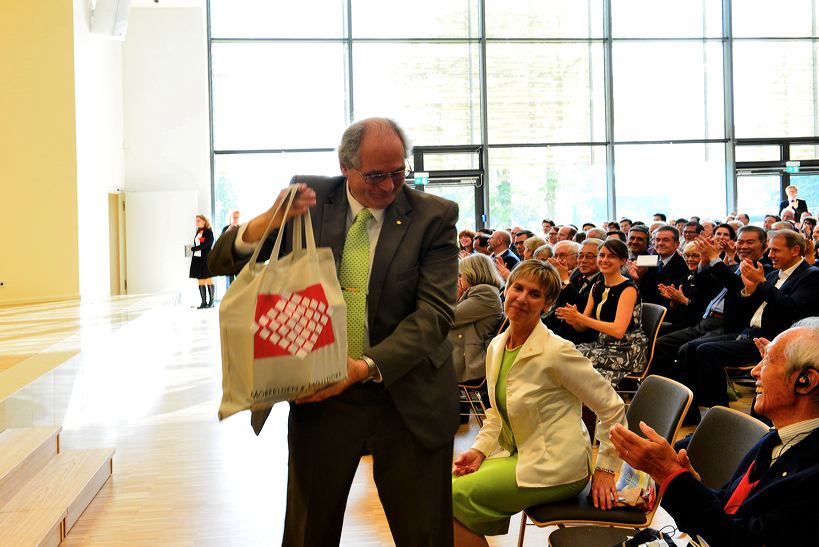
(533, 447)
(477, 315)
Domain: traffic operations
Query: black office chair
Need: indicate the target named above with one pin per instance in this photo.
(659, 402)
(652, 319)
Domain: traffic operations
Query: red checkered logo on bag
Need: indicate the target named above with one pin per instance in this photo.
(292, 324)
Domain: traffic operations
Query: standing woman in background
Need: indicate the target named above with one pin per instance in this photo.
(202, 243)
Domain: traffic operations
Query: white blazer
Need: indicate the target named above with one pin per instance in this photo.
(545, 389)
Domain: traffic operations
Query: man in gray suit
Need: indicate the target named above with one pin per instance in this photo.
(399, 401)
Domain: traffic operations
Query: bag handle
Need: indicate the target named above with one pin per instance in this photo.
(307, 230)
(299, 227)
(254, 258)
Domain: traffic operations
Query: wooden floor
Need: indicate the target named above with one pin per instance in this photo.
(150, 388)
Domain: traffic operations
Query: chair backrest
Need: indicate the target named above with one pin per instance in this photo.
(661, 403)
(652, 320)
(719, 443)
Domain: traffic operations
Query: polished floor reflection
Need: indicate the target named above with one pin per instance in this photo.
(142, 375)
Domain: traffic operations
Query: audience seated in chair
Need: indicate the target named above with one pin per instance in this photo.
(670, 269)
(477, 315)
(532, 448)
(613, 311)
(770, 499)
(575, 291)
(688, 300)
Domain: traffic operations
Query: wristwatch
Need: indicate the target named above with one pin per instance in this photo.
(372, 371)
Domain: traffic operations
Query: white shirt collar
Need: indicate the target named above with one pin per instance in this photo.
(785, 274)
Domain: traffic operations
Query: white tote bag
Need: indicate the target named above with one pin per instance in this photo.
(283, 324)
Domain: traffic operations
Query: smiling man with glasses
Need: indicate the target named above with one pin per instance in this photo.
(400, 400)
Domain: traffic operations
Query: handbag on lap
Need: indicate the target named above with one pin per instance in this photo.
(282, 324)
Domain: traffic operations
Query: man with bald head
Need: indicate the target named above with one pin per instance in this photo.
(499, 242)
(399, 401)
(771, 498)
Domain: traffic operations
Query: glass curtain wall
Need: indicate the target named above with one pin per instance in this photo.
(587, 109)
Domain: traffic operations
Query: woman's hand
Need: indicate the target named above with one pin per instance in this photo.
(467, 462)
(569, 314)
(463, 253)
(603, 491)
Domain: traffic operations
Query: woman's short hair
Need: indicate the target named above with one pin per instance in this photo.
(533, 243)
(468, 233)
(478, 269)
(545, 249)
(542, 273)
(616, 247)
(731, 231)
(205, 220)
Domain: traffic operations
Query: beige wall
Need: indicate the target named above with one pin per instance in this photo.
(38, 166)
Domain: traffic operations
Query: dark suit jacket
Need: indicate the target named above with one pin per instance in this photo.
(780, 510)
(719, 276)
(796, 299)
(411, 301)
(801, 207)
(672, 273)
(700, 292)
(576, 293)
(510, 259)
(205, 246)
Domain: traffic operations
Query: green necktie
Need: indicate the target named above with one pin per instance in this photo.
(353, 274)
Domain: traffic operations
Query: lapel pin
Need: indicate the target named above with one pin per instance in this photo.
(398, 222)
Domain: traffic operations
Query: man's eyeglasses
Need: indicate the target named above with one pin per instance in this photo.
(587, 256)
(396, 177)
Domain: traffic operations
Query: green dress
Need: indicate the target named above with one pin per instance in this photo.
(485, 500)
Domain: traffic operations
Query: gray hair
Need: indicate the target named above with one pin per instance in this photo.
(592, 241)
(350, 146)
(478, 269)
(544, 250)
(596, 233)
(803, 351)
(572, 245)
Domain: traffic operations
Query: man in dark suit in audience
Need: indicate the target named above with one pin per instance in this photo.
(773, 302)
(671, 268)
(771, 498)
(520, 237)
(399, 401)
(671, 350)
(637, 242)
(577, 285)
(499, 243)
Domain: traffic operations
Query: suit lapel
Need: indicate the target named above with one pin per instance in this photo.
(396, 224)
(793, 278)
(332, 230)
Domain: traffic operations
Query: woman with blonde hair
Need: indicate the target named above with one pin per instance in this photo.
(202, 244)
(533, 447)
(477, 315)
